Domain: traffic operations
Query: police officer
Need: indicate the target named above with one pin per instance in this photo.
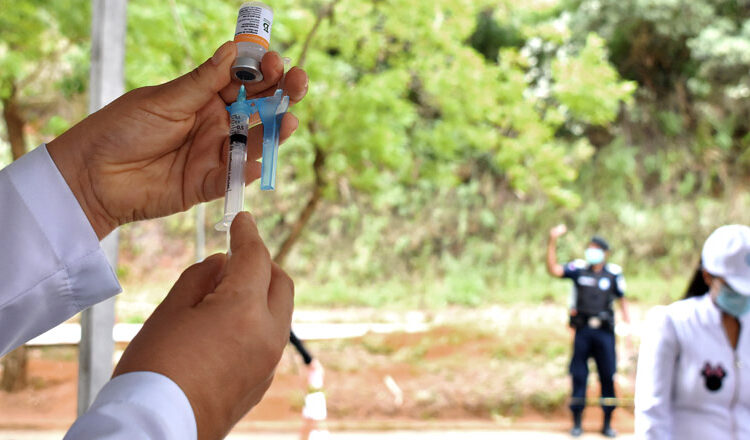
(596, 285)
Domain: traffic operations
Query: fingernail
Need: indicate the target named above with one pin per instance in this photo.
(220, 54)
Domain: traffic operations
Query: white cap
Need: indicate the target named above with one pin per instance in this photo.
(726, 254)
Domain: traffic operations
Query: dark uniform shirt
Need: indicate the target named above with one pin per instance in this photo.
(595, 291)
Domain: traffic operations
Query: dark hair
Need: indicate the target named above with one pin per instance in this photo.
(697, 286)
(601, 242)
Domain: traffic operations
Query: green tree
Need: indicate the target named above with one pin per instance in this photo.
(43, 62)
(400, 97)
(467, 102)
(168, 38)
(690, 59)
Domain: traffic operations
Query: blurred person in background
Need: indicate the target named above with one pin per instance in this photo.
(597, 284)
(693, 377)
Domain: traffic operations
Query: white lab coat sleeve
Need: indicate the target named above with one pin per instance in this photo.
(51, 263)
(52, 267)
(657, 361)
(139, 405)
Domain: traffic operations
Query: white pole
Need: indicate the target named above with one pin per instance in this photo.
(106, 82)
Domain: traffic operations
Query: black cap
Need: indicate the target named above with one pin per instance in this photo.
(599, 241)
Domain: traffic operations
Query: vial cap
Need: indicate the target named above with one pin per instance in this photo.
(247, 69)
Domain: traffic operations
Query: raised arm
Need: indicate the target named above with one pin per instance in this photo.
(553, 267)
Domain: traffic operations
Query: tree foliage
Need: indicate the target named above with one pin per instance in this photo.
(43, 63)
(445, 136)
(38, 42)
(690, 60)
(404, 97)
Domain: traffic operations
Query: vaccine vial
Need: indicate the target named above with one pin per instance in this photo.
(252, 37)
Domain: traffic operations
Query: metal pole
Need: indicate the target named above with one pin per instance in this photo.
(106, 82)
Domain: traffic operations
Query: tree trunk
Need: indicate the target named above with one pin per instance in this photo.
(320, 156)
(15, 372)
(308, 211)
(15, 123)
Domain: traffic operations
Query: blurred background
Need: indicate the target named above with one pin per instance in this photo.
(439, 142)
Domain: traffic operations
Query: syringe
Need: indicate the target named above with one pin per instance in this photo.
(269, 111)
(239, 114)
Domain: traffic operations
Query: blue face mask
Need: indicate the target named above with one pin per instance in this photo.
(594, 256)
(732, 302)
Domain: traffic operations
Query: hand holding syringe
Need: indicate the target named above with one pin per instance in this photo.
(271, 110)
(252, 36)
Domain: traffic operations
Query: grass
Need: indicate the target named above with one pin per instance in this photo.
(493, 367)
(438, 294)
(448, 350)
(475, 363)
(547, 402)
(377, 344)
(138, 300)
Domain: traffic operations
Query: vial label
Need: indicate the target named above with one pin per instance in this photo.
(254, 25)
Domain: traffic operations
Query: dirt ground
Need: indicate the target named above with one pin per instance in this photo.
(450, 377)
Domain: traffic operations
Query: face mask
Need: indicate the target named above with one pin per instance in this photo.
(594, 256)
(732, 302)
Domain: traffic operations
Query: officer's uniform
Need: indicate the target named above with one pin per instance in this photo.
(594, 323)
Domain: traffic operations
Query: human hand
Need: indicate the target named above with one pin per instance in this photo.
(159, 150)
(558, 231)
(220, 332)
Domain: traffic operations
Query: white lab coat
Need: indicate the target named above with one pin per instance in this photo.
(673, 395)
(52, 267)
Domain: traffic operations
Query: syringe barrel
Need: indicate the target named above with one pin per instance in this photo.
(235, 196)
(236, 180)
(235, 189)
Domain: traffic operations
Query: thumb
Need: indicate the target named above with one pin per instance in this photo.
(190, 92)
(197, 281)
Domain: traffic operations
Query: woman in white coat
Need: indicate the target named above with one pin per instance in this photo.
(693, 379)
